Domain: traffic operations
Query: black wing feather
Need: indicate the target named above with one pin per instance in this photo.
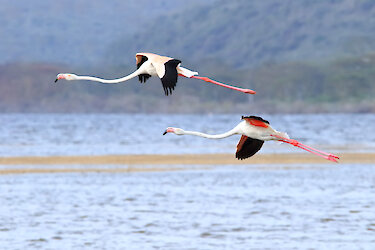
(256, 118)
(248, 147)
(169, 79)
(143, 77)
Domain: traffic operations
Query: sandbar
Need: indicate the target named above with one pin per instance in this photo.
(129, 163)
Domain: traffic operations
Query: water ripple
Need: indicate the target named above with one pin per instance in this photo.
(100, 134)
(223, 208)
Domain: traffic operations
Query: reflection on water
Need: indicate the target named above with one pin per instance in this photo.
(229, 207)
(94, 134)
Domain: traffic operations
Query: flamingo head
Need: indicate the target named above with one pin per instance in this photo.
(177, 131)
(66, 76)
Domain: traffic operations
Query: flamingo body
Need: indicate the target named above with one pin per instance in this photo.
(249, 145)
(166, 68)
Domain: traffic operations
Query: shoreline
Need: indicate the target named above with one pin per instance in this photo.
(161, 163)
(185, 159)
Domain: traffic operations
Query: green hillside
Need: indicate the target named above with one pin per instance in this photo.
(342, 85)
(77, 32)
(245, 33)
(299, 55)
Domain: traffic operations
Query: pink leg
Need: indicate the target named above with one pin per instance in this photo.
(206, 79)
(330, 157)
(295, 143)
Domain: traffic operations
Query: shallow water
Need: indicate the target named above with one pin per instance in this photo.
(228, 207)
(101, 134)
(224, 207)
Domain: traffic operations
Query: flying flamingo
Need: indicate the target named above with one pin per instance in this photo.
(148, 64)
(254, 130)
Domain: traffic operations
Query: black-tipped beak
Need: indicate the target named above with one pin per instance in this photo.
(165, 132)
(56, 79)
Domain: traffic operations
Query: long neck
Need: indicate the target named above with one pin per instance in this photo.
(122, 79)
(218, 136)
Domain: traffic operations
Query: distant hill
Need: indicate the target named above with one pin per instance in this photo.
(76, 32)
(245, 33)
(343, 85)
(299, 55)
(241, 33)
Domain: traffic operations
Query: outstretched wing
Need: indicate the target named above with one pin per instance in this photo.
(169, 79)
(256, 121)
(247, 147)
(140, 60)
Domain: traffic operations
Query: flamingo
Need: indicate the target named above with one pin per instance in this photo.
(254, 130)
(166, 68)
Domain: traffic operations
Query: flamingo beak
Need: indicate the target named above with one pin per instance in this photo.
(59, 76)
(168, 130)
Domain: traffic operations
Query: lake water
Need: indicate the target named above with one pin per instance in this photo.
(142, 134)
(299, 206)
(227, 207)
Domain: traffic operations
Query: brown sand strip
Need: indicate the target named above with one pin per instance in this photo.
(186, 159)
(131, 162)
(86, 170)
